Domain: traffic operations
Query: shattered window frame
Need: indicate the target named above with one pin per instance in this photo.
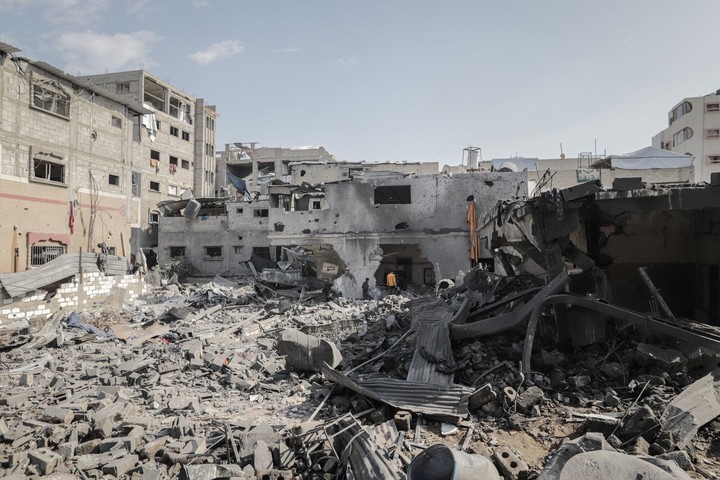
(52, 172)
(50, 97)
(213, 252)
(154, 217)
(261, 213)
(392, 195)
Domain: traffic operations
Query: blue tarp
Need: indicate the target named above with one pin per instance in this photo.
(237, 182)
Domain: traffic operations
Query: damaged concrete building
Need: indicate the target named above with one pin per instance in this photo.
(85, 160)
(415, 225)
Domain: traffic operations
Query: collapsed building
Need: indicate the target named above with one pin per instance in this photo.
(416, 225)
(575, 329)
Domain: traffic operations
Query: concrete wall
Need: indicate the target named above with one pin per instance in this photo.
(565, 174)
(436, 225)
(95, 289)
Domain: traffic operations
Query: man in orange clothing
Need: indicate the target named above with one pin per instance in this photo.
(391, 282)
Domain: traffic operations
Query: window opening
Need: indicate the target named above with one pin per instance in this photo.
(392, 195)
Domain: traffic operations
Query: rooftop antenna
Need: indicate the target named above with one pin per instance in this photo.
(562, 154)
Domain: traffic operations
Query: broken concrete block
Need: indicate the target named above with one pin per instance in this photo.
(57, 415)
(642, 422)
(510, 465)
(305, 352)
(680, 457)
(695, 406)
(482, 396)
(197, 472)
(121, 465)
(529, 398)
(639, 446)
(14, 400)
(45, 459)
(603, 464)
(665, 358)
(26, 380)
(152, 448)
(403, 420)
(579, 381)
(262, 459)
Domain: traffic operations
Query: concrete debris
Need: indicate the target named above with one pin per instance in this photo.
(306, 352)
(244, 379)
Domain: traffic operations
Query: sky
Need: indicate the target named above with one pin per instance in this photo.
(399, 80)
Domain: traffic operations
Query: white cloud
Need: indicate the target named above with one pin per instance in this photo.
(347, 63)
(92, 52)
(216, 51)
(69, 13)
(288, 50)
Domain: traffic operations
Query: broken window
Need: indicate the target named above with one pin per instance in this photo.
(154, 94)
(180, 109)
(122, 88)
(238, 210)
(173, 160)
(172, 190)
(260, 212)
(684, 134)
(213, 252)
(41, 254)
(113, 179)
(238, 249)
(155, 186)
(116, 122)
(712, 107)
(111, 251)
(392, 195)
(174, 131)
(316, 204)
(49, 171)
(186, 136)
(136, 182)
(185, 164)
(154, 217)
(51, 97)
(177, 252)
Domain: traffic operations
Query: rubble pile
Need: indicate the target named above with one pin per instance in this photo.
(223, 380)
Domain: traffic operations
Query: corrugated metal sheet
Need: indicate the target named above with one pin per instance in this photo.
(61, 268)
(433, 348)
(447, 402)
(363, 458)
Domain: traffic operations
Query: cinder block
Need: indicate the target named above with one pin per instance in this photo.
(510, 465)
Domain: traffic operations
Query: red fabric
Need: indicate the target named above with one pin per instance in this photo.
(72, 218)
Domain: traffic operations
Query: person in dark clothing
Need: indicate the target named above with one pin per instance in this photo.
(366, 289)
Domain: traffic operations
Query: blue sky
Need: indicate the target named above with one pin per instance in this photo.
(395, 80)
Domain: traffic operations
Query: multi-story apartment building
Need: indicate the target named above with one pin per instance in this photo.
(694, 129)
(82, 165)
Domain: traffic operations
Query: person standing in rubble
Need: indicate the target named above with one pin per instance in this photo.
(391, 282)
(366, 289)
